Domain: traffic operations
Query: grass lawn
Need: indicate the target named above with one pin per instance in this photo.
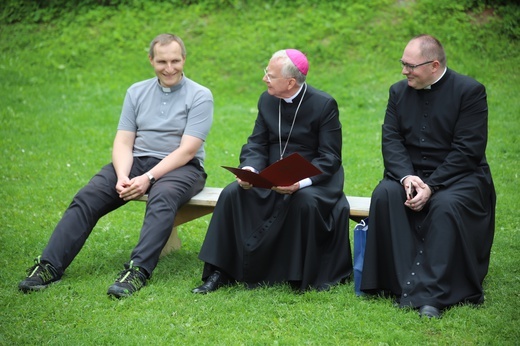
(62, 86)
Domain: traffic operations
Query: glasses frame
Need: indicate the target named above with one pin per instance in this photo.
(266, 74)
(411, 68)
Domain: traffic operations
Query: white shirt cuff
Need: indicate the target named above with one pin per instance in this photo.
(305, 182)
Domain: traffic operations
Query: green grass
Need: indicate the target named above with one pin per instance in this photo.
(62, 86)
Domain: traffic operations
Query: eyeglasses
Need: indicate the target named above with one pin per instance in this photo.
(410, 68)
(266, 74)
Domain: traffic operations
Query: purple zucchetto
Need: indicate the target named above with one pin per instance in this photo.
(299, 60)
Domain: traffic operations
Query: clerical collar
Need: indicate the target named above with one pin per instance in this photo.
(430, 86)
(290, 99)
(173, 87)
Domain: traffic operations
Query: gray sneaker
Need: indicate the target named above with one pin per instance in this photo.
(39, 277)
(130, 280)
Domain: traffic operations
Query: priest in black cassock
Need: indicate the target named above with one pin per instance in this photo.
(432, 217)
(295, 234)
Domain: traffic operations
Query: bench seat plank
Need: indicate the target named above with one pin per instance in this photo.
(207, 199)
(359, 206)
(204, 203)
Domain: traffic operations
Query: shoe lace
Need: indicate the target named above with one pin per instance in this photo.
(132, 276)
(41, 270)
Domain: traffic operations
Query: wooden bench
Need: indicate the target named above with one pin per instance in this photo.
(204, 203)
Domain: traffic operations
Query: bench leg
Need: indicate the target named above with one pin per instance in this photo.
(186, 214)
(173, 243)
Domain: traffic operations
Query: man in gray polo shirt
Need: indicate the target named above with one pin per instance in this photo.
(158, 149)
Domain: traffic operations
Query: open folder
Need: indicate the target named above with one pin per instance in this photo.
(285, 172)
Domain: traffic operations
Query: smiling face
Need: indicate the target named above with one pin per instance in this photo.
(168, 63)
(420, 76)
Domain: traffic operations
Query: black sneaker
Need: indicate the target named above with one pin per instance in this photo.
(130, 280)
(39, 277)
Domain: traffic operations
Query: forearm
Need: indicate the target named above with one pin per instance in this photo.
(173, 161)
(179, 157)
(122, 166)
(122, 159)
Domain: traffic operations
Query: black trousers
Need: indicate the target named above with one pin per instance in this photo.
(99, 197)
(438, 256)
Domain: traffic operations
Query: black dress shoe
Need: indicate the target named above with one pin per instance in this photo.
(429, 311)
(212, 283)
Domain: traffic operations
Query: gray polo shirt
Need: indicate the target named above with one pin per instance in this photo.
(160, 116)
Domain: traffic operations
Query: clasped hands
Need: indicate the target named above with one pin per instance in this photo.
(134, 188)
(418, 193)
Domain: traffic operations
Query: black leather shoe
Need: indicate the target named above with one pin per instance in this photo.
(429, 311)
(212, 283)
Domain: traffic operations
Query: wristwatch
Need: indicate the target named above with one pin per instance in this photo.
(150, 176)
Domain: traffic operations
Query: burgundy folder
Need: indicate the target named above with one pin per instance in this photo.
(285, 172)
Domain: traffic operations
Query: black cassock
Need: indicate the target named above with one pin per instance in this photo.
(258, 236)
(440, 255)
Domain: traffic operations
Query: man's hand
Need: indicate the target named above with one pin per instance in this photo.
(244, 184)
(417, 193)
(133, 188)
(121, 184)
(287, 190)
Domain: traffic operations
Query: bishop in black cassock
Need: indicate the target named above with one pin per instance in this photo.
(296, 234)
(431, 250)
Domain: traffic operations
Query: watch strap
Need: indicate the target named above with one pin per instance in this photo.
(150, 177)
